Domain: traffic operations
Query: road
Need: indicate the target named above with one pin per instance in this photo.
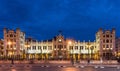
(58, 67)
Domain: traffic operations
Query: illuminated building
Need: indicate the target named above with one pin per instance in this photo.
(118, 47)
(105, 40)
(60, 48)
(13, 42)
(1, 48)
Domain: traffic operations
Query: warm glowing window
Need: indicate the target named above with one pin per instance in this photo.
(49, 47)
(71, 47)
(76, 47)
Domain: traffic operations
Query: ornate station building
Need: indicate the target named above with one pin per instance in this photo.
(13, 42)
(61, 48)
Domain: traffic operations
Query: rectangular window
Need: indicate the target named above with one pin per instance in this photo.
(76, 47)
(65, 46)
(104, 41)
(49, 47)
(44, 47)
(81, 47)
(70, 47)
(107, 46)
(111, 40)
(39, 47)
(34, 47)
(107, 36)
(107, 41)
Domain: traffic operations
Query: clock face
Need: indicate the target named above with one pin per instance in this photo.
(60, 40)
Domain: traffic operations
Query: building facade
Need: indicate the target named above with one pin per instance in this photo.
(13, 42)
(60, 48)
(1, 48)
(118, 47)
(105, 40)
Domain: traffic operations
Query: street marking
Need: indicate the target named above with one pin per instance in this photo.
(45, 66)
(95, 66)
(82, 66)
(102, 67)
(77, 66)
(118, 67)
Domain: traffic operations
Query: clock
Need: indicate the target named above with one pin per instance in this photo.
(60, 40)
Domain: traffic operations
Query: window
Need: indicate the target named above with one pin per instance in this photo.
(44, 47)
(110, 46)
(34, 47)
(111, 40)
(92, 47)
(86, 48)
(55, 46)
(7, 36)
(111, 35)
(81, 47)
(107, 41)
(27, 48)
(95, 46)
(39, 47)
(60, 46)
(11, 35)
(107, 46)
(104, 41)
(107, 36)
(76, 47)
(71, 48)
(65, 46)
(49, 47)
(14, 35)
(103, 35)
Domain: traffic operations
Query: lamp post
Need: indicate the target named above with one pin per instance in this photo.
(26, 46)
(80, 52)
(88, 44)
(41, 52)
(72, 59)
(91, 52)
(10, 43)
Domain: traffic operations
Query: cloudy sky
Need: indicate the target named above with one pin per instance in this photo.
(42, 19)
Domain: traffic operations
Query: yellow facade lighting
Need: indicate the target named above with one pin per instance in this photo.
(69, 42)
(9, 43)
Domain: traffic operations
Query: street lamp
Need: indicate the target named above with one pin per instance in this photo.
(41, 52)
(80, 52)
(91, 51)
(88, 44)
(27, 46)
(72, 59)
(10, 43)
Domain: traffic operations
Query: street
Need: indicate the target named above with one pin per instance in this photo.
(58, 67)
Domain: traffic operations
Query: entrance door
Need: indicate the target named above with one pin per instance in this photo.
(60, 52)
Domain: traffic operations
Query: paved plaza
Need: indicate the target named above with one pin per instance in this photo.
(58, 66)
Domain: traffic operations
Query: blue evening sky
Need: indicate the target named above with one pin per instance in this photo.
(42, 19)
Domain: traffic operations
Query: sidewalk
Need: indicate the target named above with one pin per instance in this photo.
(84, 62)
